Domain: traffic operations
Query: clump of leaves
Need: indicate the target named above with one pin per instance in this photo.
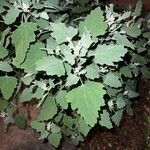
(79, 61)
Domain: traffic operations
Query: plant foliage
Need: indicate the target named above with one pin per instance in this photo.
(78, 59)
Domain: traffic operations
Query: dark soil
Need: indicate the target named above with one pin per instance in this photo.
(129, 136)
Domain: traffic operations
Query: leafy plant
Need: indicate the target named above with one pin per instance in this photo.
(78, 60)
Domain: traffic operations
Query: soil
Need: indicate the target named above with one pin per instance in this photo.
(129, 136)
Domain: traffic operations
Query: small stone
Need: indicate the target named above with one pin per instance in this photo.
(109, 144)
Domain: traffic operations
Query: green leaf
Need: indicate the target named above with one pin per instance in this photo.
(61, 99)
(133, 31)
(21, 38)
(69, 121)
(20, 121)
(55, 128)
(58, 118)
(2, 9)
(108, 54)
(44, 15)
(94, 23)
(87, 98)
(72, 79)
(146, 72)
(86, 40)
(34, 54)
(83, 127)
(38, 126)
(11, 109)
(126, 71)
(5, 3)
(3, 52)
(112, 91)
(138, 8)
(51, 45)
(67, 131)
(62, 33)
(83, 2)
(4, 39)
(124, 16)
(49, 109)
(92, 71)
(146, 35)
(122, 39)
(7, 86)
(51, 3)
(27, 79)
(52, 66)
(38, 6)
(105, 120)
(5, 66)
(66, 51)
(120, 102)
(76, 139)
(44, 135)
(26, 95)
(132, 94)
(42, 23)
(112, 80)
(11, 15)
(39, 93)
(140, 59)
(3, 104)
(116, 118)
(54, 139)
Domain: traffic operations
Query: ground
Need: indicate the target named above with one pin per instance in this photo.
(129, 136)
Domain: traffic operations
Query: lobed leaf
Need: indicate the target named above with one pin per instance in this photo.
(94, 23)
(21, 38)
(49, 109)
(62, 33)
(87, 98)
(51, 65)
(108, 54)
